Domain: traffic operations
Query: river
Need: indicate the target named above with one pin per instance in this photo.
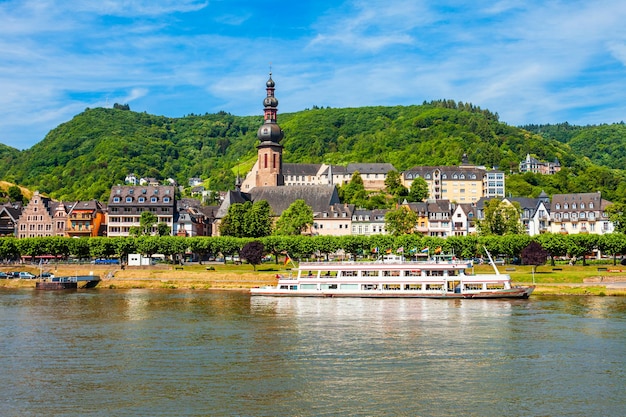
(191, 353)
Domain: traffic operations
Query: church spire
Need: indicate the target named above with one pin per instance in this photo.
(270, 131)
(270, 151)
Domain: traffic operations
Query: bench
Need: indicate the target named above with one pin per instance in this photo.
(510, 269)
(557, 269)
(601, 269)
(178, 268)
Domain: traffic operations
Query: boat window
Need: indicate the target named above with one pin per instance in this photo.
(413, 287)
(495, 286)
(369, 287)
(329, 286)
(308, 286)
(391, 273)
(473, 287)
(370, 273)
(392, 287)
(434, 287)
(329, 274)
(349, 286)
(350, 273)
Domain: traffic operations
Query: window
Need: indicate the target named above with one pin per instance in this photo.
(166, 199)
(141, 199)
(153, 200)
(129, 199)
(116, 199)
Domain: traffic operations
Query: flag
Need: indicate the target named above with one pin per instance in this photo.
(425, 250)
(375, 250)
(287, 259)
(414, 250)
(438, 250)
(400, 249)
(388, 251)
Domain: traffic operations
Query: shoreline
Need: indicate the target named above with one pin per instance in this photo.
(220, 276)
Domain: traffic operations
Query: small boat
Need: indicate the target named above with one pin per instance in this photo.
(441, 276)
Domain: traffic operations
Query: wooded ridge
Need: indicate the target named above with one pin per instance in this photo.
(82, 158)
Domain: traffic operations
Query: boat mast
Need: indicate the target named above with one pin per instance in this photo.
(493, 264)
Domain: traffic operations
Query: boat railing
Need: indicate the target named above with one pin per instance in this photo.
(405, 262)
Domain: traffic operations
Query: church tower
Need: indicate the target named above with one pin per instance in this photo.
(270, 151)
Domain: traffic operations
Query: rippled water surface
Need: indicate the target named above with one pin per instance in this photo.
(157, 353)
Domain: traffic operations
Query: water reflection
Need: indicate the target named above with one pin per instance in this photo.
(146, 352)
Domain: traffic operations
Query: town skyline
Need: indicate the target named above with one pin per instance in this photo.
(528, 62)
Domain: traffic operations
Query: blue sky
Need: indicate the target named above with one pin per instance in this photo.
(529, 61)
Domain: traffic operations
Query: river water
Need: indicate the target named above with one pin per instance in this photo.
(177, 353)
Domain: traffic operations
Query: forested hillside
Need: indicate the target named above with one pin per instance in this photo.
(603, 145)
(83, 158)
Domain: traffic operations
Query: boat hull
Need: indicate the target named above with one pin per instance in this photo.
(50, 285)
(517, 292)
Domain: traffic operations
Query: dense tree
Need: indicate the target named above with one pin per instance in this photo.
(501, 218)
(400, 221)
(253, 253)
(617, 214)
(234, 223)
(15, 194)
(247, 220)
(534, 255)
(613, 244)
(393, 184)
(295, 220)
(146, 223)
(353, 192)
(419, 190)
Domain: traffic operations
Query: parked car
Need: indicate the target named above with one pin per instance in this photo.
(14, 274)
(26, 275)
(3, 275)
(46, 275)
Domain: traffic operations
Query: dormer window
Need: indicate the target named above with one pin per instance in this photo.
(129, 199)
(166, 199)
(141, 199)
(558, 206)
(153, 200)
(131, 191)
(590, 205)
(116, 199)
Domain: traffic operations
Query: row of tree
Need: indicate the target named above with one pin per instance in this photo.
(304, 247)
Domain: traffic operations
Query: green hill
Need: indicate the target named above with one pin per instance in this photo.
(84, 157)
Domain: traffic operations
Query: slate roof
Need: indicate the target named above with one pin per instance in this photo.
(448, 171)
(301, 169)
(599, 204)
(318, 197)
(231, 197)
(371, 168)
(135, 191)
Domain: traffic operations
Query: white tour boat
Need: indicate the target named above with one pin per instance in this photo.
(441, 276)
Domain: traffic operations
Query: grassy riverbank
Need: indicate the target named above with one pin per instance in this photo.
(573, 280)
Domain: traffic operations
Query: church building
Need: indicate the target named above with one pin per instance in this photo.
(266, 180)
